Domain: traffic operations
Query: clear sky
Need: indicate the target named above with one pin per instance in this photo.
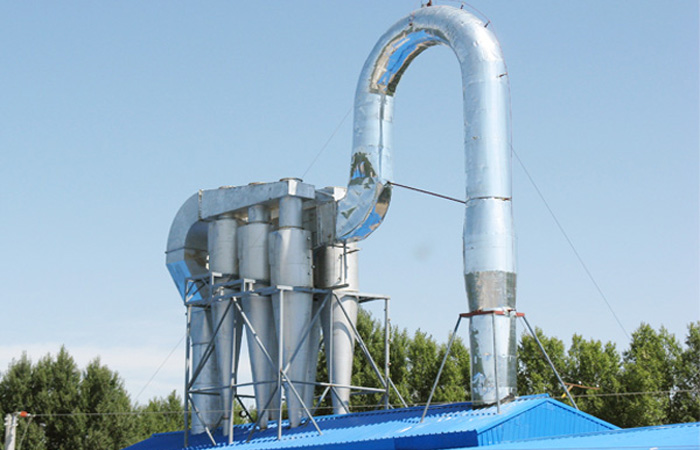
(113, 113)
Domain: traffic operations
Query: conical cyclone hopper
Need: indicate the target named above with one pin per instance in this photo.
(314, 345)
(336, 269)
(223, 265)
(209, 406)
(290, 265)
(253, 264)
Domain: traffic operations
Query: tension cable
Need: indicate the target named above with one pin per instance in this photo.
(423, 191)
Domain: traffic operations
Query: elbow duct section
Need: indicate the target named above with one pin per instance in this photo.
(489, 240)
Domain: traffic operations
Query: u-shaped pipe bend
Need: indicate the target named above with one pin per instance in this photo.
(486, 113)
(489, 240)
(488, 231)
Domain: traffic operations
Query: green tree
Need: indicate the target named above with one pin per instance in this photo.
(372, 332)
(685, 403)
(16, 395)
(414, 362)
(161, 415)
(649, 374)
(590, 363)
(107, 408)
(535, 376)
(454, 385)
(55, 385)
(79, 410)
(423, 364)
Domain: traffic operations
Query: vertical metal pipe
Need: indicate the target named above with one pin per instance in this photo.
(387, 351)
(235, 350)
(495, 365)
(223, 266)
(314, 344)
(493, 346)
(291, 265)
(280, 362)
(254, 264)
(188, 368)
(336, 268)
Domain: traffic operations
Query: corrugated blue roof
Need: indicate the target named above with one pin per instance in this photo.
(445, 426)
(664, 437)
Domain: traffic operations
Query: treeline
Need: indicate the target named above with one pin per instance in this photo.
(655, 381)
(79, 410)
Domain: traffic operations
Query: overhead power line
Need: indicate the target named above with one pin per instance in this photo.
(556, 221)
(328, 141)
(159, 367)
(372, 405)
(571, 244)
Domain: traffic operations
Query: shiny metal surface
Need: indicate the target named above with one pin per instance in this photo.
(291, 265)
(290, 212)
(186, 252)
(489, 236)
(314, 346)
(222, 245)
(209, 406)
(258, 214)
(223, 266)
(493, 364)
(490, 280)
(337, 267)
(489, 239)
(238, 198)
(490, 289)
(486, 113)
(254, 264)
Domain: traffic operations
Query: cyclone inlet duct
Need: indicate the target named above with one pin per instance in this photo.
(280, 260)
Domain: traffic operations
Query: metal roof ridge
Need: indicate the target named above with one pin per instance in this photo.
(536, 401)
(613, 432)
(533, 401)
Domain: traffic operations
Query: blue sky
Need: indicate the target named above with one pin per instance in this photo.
(113, 114)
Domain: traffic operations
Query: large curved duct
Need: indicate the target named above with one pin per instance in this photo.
(489, 255)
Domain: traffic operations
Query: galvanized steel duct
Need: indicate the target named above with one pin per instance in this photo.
(489, 254)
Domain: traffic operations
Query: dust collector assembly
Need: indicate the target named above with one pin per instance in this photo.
(279, 259)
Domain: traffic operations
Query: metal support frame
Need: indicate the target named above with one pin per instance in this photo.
(549, 361)
(194, 285)
(493, 313)
(242, 287)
